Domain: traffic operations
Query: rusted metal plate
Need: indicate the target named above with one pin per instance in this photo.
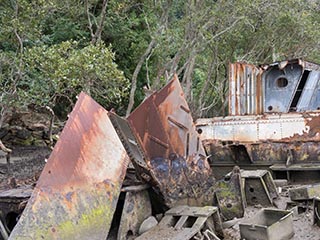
(285, 127)
(288, 138)
(259, 187)
(230, 196)
(287, 86)
(132, 145)
(175, 156)
(77, 192)
(305, 192)
(136, 208)
(245, 89)
(268, 224)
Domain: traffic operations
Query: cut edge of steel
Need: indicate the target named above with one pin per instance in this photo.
(77, 192)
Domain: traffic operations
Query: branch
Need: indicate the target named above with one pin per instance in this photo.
(97, 35)
(148, 51)
(135, 75)
(89, 20)
(51, 124)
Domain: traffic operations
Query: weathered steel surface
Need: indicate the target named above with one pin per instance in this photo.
(273, 118)
(136, 208)
(184, 222)
(245, 89)
(286, 127)
(278, 87)
(288, 138)
(268, 224)
(230, 196)
(175, 156)
(304, 192)
(132, 145)
(12, 203)
(259, 187)
(77, 192)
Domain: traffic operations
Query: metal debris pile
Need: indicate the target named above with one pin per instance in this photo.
(149, 176)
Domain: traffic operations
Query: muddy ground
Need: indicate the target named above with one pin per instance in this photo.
(28, 162)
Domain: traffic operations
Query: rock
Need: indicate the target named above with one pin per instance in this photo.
(147, 224)
(159, 216)
(23, 134)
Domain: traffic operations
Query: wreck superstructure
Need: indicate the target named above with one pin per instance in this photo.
(273, 122)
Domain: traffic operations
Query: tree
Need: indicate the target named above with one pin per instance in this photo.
(56, 74)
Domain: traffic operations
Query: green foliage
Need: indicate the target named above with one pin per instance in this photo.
(63, 70)
(47, 56)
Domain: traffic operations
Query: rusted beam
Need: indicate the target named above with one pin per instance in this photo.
(77, 192)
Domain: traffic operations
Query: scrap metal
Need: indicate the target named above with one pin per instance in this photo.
(77, 192)
(259, 187)
(176, 161)
(12, 203)
(136, 208)
(264, 128)
(268, 224)
(254, 90)
(316, 211)
(230, 196)
(184, 222)
(305, 192)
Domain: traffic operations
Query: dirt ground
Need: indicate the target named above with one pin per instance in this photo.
(28, 162)
(25, 168)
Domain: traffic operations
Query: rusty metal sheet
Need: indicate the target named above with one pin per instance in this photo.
(285, 127)
(285, 86)
(268, 224)
(259, 187)
(77, 192)
(176, 159)
(136, 208)
(132, 145)
(230, 196)
(245, 89)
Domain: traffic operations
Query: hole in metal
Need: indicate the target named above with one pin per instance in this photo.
(282, 82)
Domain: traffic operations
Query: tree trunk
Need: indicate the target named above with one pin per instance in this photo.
(151, 45)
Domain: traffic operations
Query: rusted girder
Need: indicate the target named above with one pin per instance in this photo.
(175, 158)
(77, 192)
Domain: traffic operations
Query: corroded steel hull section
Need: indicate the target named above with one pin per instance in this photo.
(176, 159)
(288, 138)
(77, 192)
